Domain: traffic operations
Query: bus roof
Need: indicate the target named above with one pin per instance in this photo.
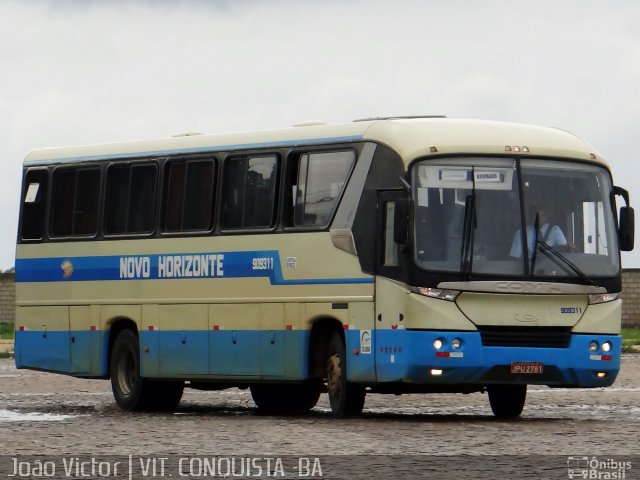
(410, 137)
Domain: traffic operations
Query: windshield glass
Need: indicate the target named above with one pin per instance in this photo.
(468, 218)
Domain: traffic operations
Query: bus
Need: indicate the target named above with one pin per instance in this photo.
(383, 256)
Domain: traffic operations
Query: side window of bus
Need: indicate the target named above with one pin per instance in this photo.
(74, 210)
(316, 185)
(130, 198)
(34, 204)
(188, 197)
(249, 192)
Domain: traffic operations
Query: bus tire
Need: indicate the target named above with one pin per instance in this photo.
(130, 390)
(507, 401)
(287, 398)
(346, 398)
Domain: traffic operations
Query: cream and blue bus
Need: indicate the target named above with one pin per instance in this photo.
(379, 256)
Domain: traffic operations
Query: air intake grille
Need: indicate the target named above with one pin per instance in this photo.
(539, 337)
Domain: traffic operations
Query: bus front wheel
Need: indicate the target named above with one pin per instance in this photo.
(346, 398)
(507, 401)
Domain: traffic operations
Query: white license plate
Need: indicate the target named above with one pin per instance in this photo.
(527, 368)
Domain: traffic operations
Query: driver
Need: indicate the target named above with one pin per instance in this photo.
(550, 234)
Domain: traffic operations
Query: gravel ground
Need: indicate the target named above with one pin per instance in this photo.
(47, 414)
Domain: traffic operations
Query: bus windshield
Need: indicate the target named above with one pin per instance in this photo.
(470, 214)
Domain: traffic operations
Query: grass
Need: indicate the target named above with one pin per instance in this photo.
(630, 337)
(6, 331)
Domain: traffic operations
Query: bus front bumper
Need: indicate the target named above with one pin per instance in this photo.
(412, 357)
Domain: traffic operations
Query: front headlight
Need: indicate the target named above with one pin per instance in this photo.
(602, 298)
(449, 295)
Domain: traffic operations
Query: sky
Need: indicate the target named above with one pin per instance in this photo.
(83, 71)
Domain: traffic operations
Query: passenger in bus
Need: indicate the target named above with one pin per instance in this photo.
(548, 233)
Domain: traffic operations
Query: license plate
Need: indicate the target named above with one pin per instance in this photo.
(527, 368)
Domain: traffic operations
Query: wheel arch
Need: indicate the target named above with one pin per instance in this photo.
(321, 331)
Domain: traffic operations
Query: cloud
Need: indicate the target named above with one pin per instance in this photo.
(77, 72)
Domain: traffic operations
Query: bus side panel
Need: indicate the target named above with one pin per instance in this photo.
(233, 340)
(42, 338)
(87, 341)
(247, 340)
(296, 338)
(361, 343)
(272, 340)
(182, 338)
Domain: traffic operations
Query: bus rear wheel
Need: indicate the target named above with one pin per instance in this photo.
(507, 401)
(130, 390)
(346, 398)
(286, 398)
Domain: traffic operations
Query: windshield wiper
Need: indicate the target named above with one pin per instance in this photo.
(560, 259)
(470, 224)
(536, 232)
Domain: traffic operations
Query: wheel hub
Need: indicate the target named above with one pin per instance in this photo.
(334, 375)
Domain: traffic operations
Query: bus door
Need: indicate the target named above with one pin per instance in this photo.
(390, 291)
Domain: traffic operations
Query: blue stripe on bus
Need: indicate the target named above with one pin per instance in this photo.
(212, 149)
(399, 356)
(245, 264)
(275, 354)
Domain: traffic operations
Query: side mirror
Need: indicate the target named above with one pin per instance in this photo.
(626, 222)
(627, 228)
(401, 222)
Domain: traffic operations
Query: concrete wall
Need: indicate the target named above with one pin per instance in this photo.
(630, 295)
(7, 297)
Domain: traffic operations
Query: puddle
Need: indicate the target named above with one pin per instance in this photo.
(11, 416)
